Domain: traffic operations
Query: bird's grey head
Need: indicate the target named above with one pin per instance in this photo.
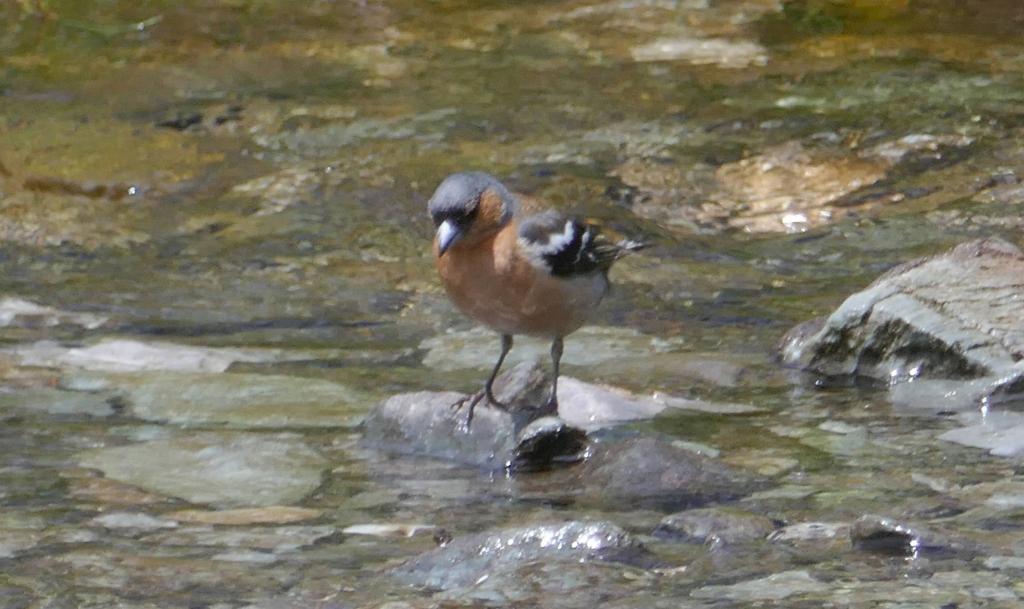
(469, 204)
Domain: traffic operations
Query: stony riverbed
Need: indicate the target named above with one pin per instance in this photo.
(224, 355)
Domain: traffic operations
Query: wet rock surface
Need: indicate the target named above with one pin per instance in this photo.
(951, 316)
(521, 437)
(655, 473)
(881, 535)
(814, 538)
(526, 438)
(715, 526)
(997, 432)
(465, 560)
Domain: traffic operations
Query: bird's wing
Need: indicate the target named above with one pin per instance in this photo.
(565, 246)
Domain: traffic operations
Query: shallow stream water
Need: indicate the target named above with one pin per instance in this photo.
(217, 210)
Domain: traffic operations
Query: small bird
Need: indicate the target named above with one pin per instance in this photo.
(539, 274)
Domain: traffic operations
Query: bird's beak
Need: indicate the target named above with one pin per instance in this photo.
(447, 234)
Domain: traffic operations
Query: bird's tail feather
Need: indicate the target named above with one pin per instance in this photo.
(627, 246)
(606, 252)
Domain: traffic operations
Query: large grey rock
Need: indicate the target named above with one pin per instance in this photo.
(523, 437)
(466, 560)
(956, 316)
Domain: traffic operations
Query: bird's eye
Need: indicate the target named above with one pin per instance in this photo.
(465, 216)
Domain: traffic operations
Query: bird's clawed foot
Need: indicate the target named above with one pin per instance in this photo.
(474, 399)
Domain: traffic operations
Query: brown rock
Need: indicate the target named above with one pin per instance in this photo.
(107, 491)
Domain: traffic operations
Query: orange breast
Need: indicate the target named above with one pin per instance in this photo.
(491, 283)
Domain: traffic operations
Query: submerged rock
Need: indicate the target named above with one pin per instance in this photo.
(89, 486)
(13, 541)
(237, 400)
(133, 521)
(278, 539)
(1000, 433)
(391, 529)
(790, 187)
(125, 355)
(955, 317)
(271, 514)
(20, 313)
(817, 538)
(466, 560)
(715, 526)
(942, 395)
(221, 469)
(653, 473)
(590, 346)
(771, 588)
(57, 402)
(721, 52)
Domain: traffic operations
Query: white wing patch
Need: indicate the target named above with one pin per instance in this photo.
(584, 244)
(558, 241)
(534, 253)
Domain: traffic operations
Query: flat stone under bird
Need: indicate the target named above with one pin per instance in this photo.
(540, 274)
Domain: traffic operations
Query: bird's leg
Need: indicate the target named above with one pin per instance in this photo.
(506, 346)
(556, 359)
(488, 390)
